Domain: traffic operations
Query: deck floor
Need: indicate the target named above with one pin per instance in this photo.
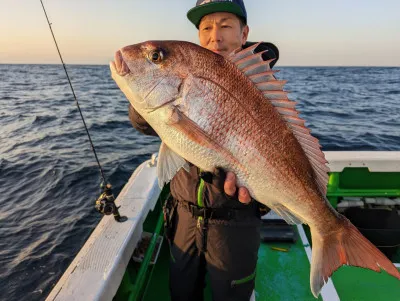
(284, 276)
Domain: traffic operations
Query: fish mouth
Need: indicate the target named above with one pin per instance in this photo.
(119, 64)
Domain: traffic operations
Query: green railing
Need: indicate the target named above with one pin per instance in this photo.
(360, 182)
(141, 276)
(137, 275)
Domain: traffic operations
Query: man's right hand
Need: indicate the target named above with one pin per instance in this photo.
(226, 183)
(230, 188)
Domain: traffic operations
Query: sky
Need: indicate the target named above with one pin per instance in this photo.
(307, 33)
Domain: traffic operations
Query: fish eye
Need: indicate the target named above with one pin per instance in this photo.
(156, 56)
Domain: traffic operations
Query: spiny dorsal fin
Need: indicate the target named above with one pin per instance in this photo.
(260, 73)
(239, 54)
(250, 60)
(271, 85)
(263, 77)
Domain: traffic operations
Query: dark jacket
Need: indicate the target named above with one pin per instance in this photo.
(184, 185)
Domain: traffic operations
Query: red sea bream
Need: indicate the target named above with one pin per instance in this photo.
(233, 113)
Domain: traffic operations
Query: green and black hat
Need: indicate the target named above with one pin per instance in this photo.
(206, 7)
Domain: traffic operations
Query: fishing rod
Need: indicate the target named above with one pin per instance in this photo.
(105, 204)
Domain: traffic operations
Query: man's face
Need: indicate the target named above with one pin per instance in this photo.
(222, 33)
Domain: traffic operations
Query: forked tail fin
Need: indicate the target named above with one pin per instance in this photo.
(345, 246)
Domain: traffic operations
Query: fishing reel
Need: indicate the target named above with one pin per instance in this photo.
(105, 204)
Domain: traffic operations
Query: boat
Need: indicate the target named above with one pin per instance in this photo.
(129, 260)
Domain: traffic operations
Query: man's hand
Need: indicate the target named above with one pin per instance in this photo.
(225, 182)
(230, 188)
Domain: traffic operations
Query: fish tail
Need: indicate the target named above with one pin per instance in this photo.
(345, 246)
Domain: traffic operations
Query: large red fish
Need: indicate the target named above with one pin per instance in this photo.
(233, 113)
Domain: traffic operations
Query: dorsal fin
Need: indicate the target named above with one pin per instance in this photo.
(250, 60)
(262, 77)
(271, 85)
(260, 73)
(239, 54)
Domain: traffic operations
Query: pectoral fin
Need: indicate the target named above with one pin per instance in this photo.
(175, 118)
(200, 137)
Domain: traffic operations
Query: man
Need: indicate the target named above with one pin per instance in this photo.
(215, 227)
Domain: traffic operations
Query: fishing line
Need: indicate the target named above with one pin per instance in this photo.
(76, 100)
(105, 203)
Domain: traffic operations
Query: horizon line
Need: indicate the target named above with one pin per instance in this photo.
(292, 66)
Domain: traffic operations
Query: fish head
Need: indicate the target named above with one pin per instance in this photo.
(150, 74)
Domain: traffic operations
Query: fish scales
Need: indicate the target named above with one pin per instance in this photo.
(250, 126)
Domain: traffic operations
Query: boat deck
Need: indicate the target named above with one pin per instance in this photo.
(284, 276)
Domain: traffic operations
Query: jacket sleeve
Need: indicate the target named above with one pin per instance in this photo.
(139, 123)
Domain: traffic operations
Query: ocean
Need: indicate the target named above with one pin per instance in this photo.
(49, 179)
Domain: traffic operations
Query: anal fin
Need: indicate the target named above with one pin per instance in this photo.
(286, 214)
